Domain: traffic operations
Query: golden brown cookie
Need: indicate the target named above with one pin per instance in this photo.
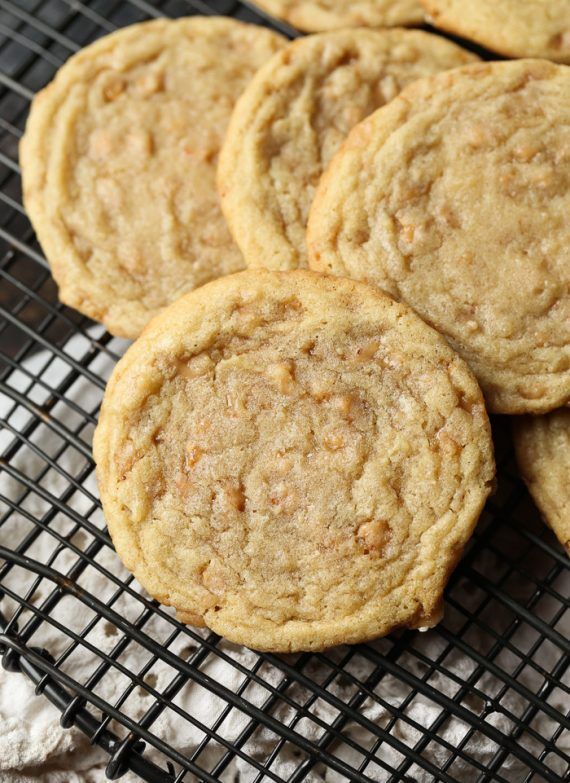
(293, 460)
(455, 199)
(543, 452)
(119, 160)
(314, 16)
(515, 28)
(293, 117)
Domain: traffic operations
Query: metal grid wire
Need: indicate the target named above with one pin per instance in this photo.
(493, 675)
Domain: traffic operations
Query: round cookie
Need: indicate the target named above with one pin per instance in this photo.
(542, 446)
(515, 28)
(455, 199)
(293, 117)
(294, 460)
(119, 159)
(315, 16)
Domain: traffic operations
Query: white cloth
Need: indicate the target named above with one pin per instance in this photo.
(33, 746)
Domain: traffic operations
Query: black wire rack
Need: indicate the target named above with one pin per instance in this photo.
(485, 696)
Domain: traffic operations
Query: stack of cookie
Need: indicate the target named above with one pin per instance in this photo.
(336, 255)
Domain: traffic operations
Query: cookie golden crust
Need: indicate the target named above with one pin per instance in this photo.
(119, 159)
(293, 117)
(293, 460)
(315, 16)
(455, 199)
(542, 445)
(515, 28)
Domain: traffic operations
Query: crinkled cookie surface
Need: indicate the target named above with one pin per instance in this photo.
(293, 117)
(314, 16)
(455, 199)
(293, 460)
(119, 161)
(515, 28)
(543, 453)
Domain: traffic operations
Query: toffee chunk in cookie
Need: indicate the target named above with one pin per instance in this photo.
(314, 16)
(119, 160)
(294, 460)
(293, 117)
(515, 28)
(455, 199)
(543, 453)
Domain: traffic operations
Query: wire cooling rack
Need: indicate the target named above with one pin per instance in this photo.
(483, 697)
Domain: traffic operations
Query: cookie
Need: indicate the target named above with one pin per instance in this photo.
(533, 28)
(455, 199)
(294, 460)
(293, 117)
(314, 16)
(119, 160)
(542, 445)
